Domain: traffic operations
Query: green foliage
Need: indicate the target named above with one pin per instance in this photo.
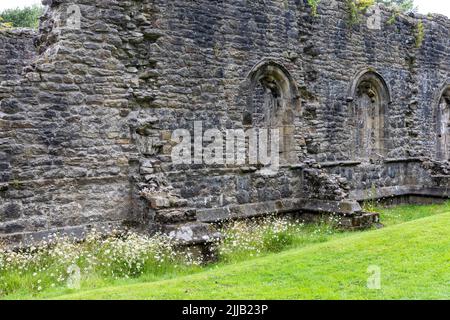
(398, 5)
(277, 242)
(370, 204)
(5, 25)
(392, 19)
(314, 4)
(420, 34)
(124, 256)
(27, 17)
(407, 213)
(258, 237)
(356, 8)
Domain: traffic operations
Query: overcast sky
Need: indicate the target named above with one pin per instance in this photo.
(425, 6)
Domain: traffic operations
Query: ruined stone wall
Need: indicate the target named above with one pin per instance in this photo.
(16, 52)
(68, 146)
(208, 50)
(97, 106)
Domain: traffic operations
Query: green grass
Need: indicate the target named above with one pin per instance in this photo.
(405, 213)
(414, 259)
(412, 252)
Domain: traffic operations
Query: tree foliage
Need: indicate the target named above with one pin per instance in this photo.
(399, 5)
(27, 17)
(5, 25)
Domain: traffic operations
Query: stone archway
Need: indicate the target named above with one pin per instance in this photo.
(442, 105)
(370, 98)
(273, 102)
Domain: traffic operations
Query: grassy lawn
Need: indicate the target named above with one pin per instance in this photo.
(413, 252)
(405, 213)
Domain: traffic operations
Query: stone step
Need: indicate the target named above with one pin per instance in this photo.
(172, 216)
(193, 233)
(361, 221)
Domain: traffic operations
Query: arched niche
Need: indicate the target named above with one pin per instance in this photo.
(442, 121)
(273, 102)
(370, 99)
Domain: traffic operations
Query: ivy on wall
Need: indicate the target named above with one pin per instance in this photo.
(356, 8)
(314, 4)
(420, 34)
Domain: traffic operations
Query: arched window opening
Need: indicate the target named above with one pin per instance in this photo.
(370, 101)
(442, 125)
(273, 103)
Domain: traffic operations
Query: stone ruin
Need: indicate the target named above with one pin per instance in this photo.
(88, 104)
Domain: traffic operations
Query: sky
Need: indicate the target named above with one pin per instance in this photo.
(425, 6)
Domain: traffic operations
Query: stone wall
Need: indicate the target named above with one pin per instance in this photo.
(17, 51)
(89, 140)
(68, 141)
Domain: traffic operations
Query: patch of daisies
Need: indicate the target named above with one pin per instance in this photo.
(62, 262)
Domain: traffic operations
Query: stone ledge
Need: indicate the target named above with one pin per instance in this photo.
(339, 164)
(18, 32)
(64, 181)
(390, 192)
(350, 163)
(441, 176)
(278, 207)
(402, 160)
(19, 240)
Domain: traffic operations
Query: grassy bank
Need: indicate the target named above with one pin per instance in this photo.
(414, 259)
(247, 245)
